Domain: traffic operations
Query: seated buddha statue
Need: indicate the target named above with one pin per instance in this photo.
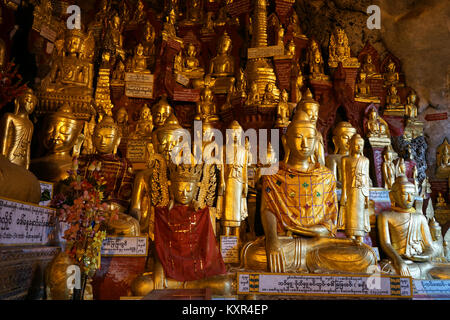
(299, 213)
(269, 94)
(222, 65)
(190, 66)
(118, 174)
(169, 30)
(139, 60)
(283, 111)
(443, 160)
(122, 121)
(253, 96)
(61, 132)
(342, 134)
(440, 200)
(376, 126)
(406, 239)
(315, 62)
(340, 50)
(311, 108)
(161, 112)
(144, 126)
(369, 68)
(393, 99)
(16, 130)
(114, 39)
(362, 90)
(391, 76)
(70, 74)
(206, 108)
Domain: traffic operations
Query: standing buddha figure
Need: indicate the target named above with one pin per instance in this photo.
(342, 134)
(16, 130)
(411, 108)
(222, 65)
(283, 111)
(388, 167)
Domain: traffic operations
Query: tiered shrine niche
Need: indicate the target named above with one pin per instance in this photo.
(111, 119)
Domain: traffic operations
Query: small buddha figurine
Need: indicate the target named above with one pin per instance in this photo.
(315, 61)
(376, 126)
(362, 90)
(440, 201)
(190, 64)
(161, 112)
(139, 60)
(443, 160)
(60, 134)
(283, 111)
(355, 191)
(393, 99)
(88, 132)
(342, 134)
(241, 84)
(298, 86)
(169, 30)
(280, 36)
(237, 159)
(148, 42)
(286, 210)
(253, 96)
(206, 108)
(269, 94)
(411, 108)
(16, 130)
(117, 172)
(114, 39)
(340, 50)
(208, 27)
(194, 12)
(144, 126)
(178, 63)
(122, 121)
(391, 76)
(406, 238)
(290, 49)
(388, 167)
(139, 15)
(294, 24)
(118, 75)
(369, 68)
(311, 108)
(222, 65)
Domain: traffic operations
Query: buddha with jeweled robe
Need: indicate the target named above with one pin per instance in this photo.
(299, 213)
(16, 130)
(61, 132)
(222, 65)
(342, 134)
(339, 50)
(118, 175)
(406, 238)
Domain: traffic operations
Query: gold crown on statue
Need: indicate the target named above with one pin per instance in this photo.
(185, 172)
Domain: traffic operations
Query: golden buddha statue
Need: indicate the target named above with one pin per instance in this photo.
(283, 111)
(291, 222)
(362, 90)
(440, 201)
(280, 36)
(161, 112)
(222, 65)
(393, 102)
(388, 167)
(342, 134)
(241, 84)
(369, 68)
(144, 126)
(148, 41)
(118, 75)
(16, 130)
(70, 75)
(139, 60)
(88, 133)
(118, 174)
(60, 134)
(122, 121)
(315, 62)
(311, 108)
(194, 12)
(253, 98)
(355, 191)
(406, 239)
(190, 66)
(411, 108)
(206, 108)
(169, 30)
(139, 15)
(391, 76)
(235, 181)
(270, 96)
(208, 27)
(340, 50)
(298, 86)
(290, 49)
(376, 126)
(294, 24)
(443, 160)
(114, 39)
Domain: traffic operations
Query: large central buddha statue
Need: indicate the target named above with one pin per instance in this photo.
(299, 213)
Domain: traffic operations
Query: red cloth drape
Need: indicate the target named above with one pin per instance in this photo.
(185, 243)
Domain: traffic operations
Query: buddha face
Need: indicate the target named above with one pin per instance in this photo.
(342, 140)
(122, 116)
(140, 49)
(362, 76)
(207, 95)
(284, 96)
(61, 134)
(106, 139)
(388, 156)
(183, 191)
(28, 102)
(191, 50)
(312, 110)
(368, 59)
(160, 115)
(403, 195)
(393, 91)
(225, 45)
(357, 146)
(167, 140)
(373, 115)
(145, 113)
(301, 141)
(412, 98)
(73, 44)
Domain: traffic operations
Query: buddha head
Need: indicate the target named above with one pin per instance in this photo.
(145, 113)
(235, 131)
(166, 138)
(139, 49)
(340, 33)
(402, 193)
(284, 96)
(300, 138)
(224, 44)
(356, 144)
(390, 66)
(171, 18)
(61, 130)
(368, 59)
(342, 134)
(191, 50)
(412, 97)
(362, 77)
(309, 106)
(106, 136)
(116, 22)
(161, 112)
(388, 154)
(26, 101)
(73, 39)
(122, 116)
(393, 91)
(206, 95)
(184, 182)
